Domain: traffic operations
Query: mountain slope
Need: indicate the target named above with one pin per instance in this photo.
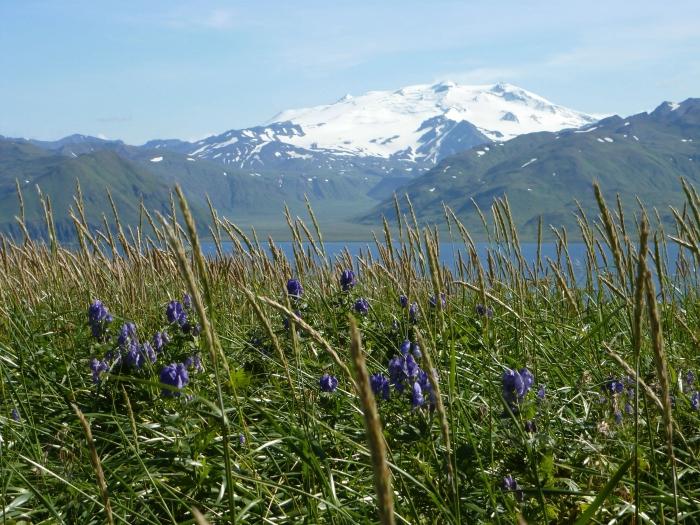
(56, 175)
(543, 174)
(386, 132)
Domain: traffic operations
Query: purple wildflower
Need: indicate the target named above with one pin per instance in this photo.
(542, 392)
(195, 362)
(97, 368)
(160, 339)
(483, 311)
(380, 385)
(413, 312)
(405, 347)
(415, 350)
(434, 300)
(187, 301)
(417, 398)
(403, 301)
(618, 417)
(530, 426)
(175, 313)
(509, 484)
(362, 306)
(174, 375)
(347, 280)
(14, 414)
(695, 401)
(614, 386)
(127, 334)
(294, 288)
(98, 318)
(328, 383)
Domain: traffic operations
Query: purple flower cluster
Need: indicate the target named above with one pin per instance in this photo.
(434, 300)
(413, 312)
(194, 362)
(516, 385)
(380, 385)
(483, 311)
(177, 313)
(510, 485)
(328, 383)
(620, 390)
(294, 288)
(97, 367)
(98, 319)
(404, 372)
(347, 280)
(362, 306)
(174, 375)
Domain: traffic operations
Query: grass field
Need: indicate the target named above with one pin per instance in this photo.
(284, 392)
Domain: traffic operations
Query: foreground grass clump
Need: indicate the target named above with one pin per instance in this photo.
(143, 383)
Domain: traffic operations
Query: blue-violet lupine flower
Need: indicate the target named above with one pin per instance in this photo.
(328, 383)
(175, 313)
(134, 357)
(98, 317)
(516, 384)
(510, 485)
(175, 375)
(417, 398)
(195, 362)
(160, 339)
(413, 312)
(403, 301)
(542, 392)
(14, 414)
(405, 347)
(695, 401)
(425, 385)
(434, 301)
(528, 379)
(187, 301)
(629, 409)
(294, 288)
(380, 385)
(415, 350)
(483, 311)
(362, 306)
(97, 368)
(614, 386)
(347, 280)
(127, 334)
(618, 417)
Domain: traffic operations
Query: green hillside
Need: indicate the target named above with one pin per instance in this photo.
(544, 174)
(57, 176)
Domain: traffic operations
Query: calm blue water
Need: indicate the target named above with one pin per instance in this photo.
(449, 251)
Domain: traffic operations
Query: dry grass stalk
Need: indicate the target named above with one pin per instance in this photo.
(440, 409)
(373, 428)
(662, 372)
(96, 463)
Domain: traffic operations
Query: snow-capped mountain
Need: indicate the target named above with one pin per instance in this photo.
(413, 126)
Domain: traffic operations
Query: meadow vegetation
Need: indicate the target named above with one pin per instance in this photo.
(141, 382)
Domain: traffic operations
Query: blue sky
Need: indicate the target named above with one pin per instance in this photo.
(158, 69)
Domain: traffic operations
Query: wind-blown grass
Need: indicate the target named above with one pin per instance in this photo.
(251, 438)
